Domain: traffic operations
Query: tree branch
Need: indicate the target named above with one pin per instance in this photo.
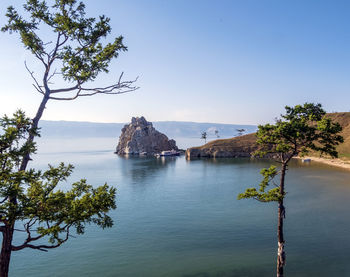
(260, 200)
(53, 91)
(42, 247)
(3, 200)
(40, 58)
(36, 85)
(52, 75)
(118, 88)
(52, 54)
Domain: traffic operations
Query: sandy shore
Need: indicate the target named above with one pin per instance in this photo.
(332, 162)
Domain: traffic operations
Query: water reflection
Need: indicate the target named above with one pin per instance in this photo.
(140, 168)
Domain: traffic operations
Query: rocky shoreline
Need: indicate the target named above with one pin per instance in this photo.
(242, 146)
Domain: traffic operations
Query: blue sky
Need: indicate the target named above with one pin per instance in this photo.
(207, 61)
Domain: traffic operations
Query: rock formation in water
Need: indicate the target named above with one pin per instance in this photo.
(141, 137)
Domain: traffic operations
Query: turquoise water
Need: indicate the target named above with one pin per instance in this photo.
(181, 218)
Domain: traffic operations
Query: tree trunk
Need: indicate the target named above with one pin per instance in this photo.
(5, 255)
(36, 119)
(281, 256)
(7, 234)
(7, 231)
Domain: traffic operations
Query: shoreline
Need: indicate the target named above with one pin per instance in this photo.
(332, 162)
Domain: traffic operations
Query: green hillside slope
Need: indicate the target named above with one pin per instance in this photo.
(344, 120)
(243, 146)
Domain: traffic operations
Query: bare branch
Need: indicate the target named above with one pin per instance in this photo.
(65, 89)
(52, 75)
(38, 89)
(118, 88)
(19, 230)
(39, 57)
(67, 98)
(58, 43)
(53, 54)
(47, 43)
(3, 200)
(36, 85)
(27, 227)
(42, 247)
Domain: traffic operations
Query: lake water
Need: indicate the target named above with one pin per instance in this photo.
(181, 218)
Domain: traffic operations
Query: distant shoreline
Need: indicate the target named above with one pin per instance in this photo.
(332, 162)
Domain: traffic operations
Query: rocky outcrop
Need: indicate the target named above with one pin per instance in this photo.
(140, 137)
(242, 146)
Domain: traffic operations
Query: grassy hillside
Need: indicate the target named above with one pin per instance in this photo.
(344, 120)
(246, 143)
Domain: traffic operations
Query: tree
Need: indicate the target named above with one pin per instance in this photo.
(33, 198)
(75, 56)
(240, 132)
(204, 136)
(217, 133)
(302, 129)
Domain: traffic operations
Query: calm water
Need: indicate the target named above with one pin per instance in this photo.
(180, 218)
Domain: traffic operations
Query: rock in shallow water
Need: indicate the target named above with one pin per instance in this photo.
(140, 137)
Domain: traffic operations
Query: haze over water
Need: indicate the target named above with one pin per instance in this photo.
(182, 218)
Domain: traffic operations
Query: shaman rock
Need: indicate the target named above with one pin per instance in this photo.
(140, 137)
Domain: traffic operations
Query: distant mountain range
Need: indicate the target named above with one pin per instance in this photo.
(173, 129)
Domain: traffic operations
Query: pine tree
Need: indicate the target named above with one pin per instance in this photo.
(301, 129)
(34, 201)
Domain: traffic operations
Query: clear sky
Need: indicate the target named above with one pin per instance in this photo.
(206, 61)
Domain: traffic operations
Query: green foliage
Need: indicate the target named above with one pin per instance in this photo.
(262, 195)
(34, 197)
(301, 129)
(14, 130)
(78, 46)
(75, 46)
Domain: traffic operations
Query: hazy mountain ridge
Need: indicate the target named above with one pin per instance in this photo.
(172, 129)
